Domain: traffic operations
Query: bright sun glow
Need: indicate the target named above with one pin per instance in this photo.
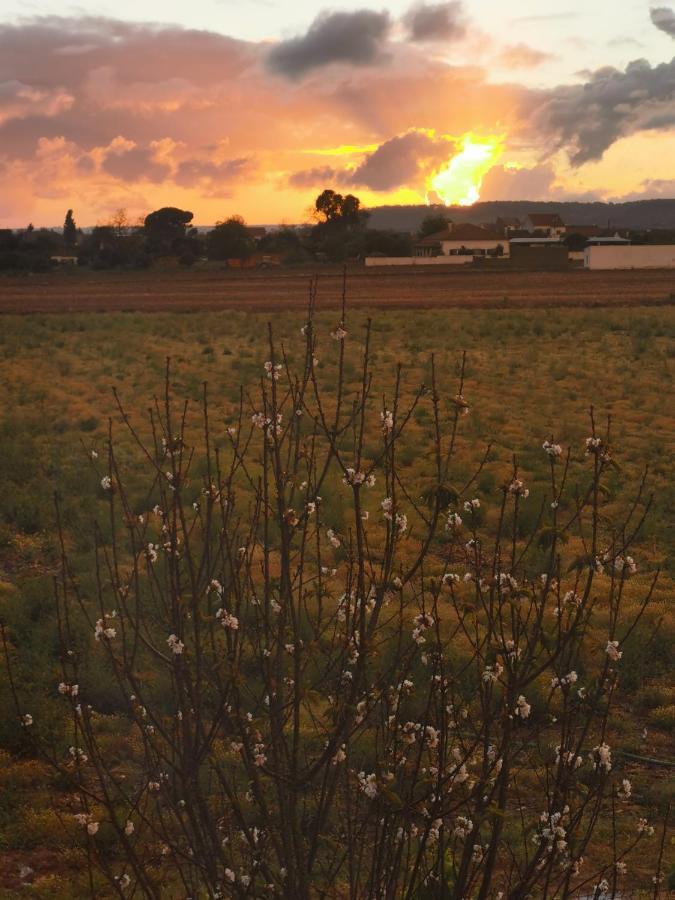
(460, 181)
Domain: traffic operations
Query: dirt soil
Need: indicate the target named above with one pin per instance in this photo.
(184, 291)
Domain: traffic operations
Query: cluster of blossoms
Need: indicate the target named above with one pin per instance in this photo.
(492, 673)
(612, 650)
(26, 720)
(107, 483)
(227, 620)
(175, 644)
(570, 678)
(507, 582)
(625, 565)
(451, 578)
(453, 521)
(368, 784)
(269, 426)
(339, 756)
(472, 505)
(339, 334)
(291, 517)
(595, 446)
(353, 477)
(523, 708)
(400, 520)
(387, 421)
(69, 690)
(259, 757)
(103, 630)
(517, 489)
(568, 758)
(85, 820)
(643, 827)
(463, 827)
(422, 622)
(602, 758)
(551, 833)
(273, 371)
(626, 790)
(551, 449)
(461, 404)
(333, 539)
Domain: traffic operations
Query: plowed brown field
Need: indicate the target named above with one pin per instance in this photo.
(181, 291)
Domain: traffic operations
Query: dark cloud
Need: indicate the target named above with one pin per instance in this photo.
(319, 175)
(436, 21)
(664, 18)
(401, 160)
(587, 119)
(135, 164)
(341, 37)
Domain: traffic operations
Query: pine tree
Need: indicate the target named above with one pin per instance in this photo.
(69, 230)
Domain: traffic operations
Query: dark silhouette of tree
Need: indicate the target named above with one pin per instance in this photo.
(69, 231)
(336, 208)
(432, 224)
(165, 229)
(229, 240)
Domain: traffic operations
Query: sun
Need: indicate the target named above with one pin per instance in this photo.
(459, 183)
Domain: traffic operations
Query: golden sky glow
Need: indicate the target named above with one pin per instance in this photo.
(459, 183)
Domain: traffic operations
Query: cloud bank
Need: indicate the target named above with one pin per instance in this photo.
(112, 113)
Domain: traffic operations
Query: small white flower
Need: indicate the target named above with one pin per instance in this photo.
(387, 421)
(129, 827)
(106, 483)
(471, 505)
(339, 334)
(26, 720)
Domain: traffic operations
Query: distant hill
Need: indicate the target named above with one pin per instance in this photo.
(640, 214)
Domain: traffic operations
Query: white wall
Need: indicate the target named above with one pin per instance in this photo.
(629, 256)
(419, 260)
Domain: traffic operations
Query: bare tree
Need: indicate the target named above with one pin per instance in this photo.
(405, 702)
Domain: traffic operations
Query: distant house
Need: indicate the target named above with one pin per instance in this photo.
(545, 224)
(507, 225)
(462, 240)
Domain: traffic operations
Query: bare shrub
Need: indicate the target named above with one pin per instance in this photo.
(400, 696)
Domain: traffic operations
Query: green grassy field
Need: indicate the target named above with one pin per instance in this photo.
(530, 375)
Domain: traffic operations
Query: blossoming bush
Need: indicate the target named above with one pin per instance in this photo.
(405, 699)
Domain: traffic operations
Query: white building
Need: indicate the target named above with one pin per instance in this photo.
(630, 256)
(463, 240)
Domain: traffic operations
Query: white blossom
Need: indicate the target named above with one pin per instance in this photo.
(175, 644)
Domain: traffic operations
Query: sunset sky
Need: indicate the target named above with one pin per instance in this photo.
(254, 106)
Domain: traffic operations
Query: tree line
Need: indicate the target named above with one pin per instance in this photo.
(339, 232)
